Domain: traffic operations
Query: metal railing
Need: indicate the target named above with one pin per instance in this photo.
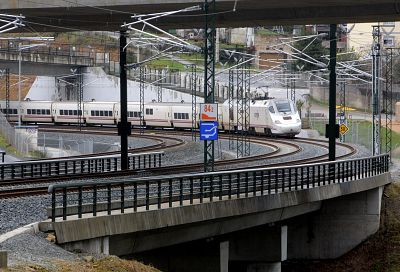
(77, 166)
(167, 191)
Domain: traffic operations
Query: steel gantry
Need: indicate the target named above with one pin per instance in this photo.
(160, 86)
(5, 74)
(376, 90)
(141, 97)
(193, 88)
(342, 109)
(209, 74)
(231, 96)
(79, 87)
(247, 100)
(293, 89)
(388, 100)
(240, 101)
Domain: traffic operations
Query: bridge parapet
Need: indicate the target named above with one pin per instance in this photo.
(145, 194)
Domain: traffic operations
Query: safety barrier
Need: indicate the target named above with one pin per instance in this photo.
(168, 191)
(77, 166)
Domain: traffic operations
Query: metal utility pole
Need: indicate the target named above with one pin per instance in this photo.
(141, 97)
(388, 101)
(332, 128)
(240, 108)
(80, 96)
(231, 109)
(209, 74)
(124, 128)
(159, 86)
(6, 74)
(293, 89)
(376, 91)
(247, 100)
(342, 112)
(193, 88)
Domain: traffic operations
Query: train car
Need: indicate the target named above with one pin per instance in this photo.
(283, 118)
(158, 114)
(67, 112)
(12, 111)
(270, 117)
(99, 113)
(181, 115)
(36, 112)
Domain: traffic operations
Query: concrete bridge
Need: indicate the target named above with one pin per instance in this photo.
(59, 15)
(252, 219)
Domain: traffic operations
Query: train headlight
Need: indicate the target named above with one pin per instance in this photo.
(277, 122)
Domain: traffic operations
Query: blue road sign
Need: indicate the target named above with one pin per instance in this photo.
(208, 131)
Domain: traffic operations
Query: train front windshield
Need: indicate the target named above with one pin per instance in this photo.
(284, 107)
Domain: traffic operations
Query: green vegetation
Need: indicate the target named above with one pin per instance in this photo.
(4, 145)
(162, 63)
(360, 133)
(266, 32)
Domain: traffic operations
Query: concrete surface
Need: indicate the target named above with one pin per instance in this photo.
(55, 15)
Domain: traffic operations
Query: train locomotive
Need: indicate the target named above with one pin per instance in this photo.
(269, 117)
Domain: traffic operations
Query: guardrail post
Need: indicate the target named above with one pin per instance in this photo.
(159, 196)
(109, 199)
(170, 193)
(181, 191)
(191, 190)
(95, 200)
(80, 202)
(53, 205)
(135, 198)
(64, 203)
(123, 198)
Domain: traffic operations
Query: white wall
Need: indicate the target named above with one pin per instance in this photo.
(102, 87)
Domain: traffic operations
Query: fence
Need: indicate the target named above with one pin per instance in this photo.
(23, 142)
(77, 166)
(179, 190)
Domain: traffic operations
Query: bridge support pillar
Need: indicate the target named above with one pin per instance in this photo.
(261, 249)
(340, 225)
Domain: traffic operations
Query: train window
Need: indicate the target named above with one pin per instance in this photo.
(97, 113)
(75, 112)
(109, 113)
(34, 111)
(105, 113)
(101, 113)
(43, 112)
(48, 112)
(149, 111)
(92, 113)
(130, 114)
(175, 115)
(283, 106)
(271, 109)
(80, 112)
(70, 112)
(15, 111)
(187, 116)
(28, 111)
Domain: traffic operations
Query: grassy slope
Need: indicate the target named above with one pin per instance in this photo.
(103, 265)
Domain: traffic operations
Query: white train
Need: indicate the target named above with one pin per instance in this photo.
(270, 117)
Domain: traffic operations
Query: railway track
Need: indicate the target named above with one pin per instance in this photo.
(293, 147)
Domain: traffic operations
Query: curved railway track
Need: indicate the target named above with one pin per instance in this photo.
(280, 148)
